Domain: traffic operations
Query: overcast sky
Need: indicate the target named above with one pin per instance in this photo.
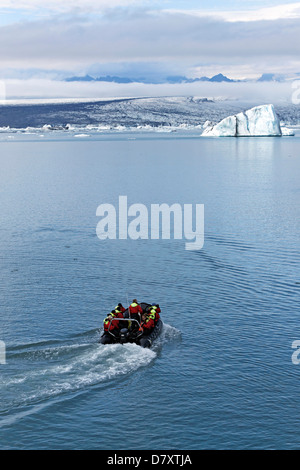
(139, 38)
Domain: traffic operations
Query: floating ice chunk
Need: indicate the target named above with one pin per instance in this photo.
(287, 132)
(258, 121)
(225, 128)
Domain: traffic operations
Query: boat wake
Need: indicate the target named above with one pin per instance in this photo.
(37, 375)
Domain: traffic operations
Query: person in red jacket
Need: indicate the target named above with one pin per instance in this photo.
(158, 310)
(154, 315)
(135, 310)
(120, 308)
(111, 326)
(155, 312)
(118, 312)
(147, 324)
(156, 307)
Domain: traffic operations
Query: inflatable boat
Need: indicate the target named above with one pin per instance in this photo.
(131, 332)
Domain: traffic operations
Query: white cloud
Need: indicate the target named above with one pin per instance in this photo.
(192, 44)
(285, 11)
(48, 89)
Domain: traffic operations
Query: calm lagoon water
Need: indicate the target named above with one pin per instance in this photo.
(221, 376)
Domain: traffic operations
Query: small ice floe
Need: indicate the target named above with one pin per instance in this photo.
(47, 127)
(258, 121)
(286, 131)
(29, 130)
(82, 136)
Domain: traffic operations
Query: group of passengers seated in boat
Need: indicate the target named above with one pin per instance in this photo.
(147, 318)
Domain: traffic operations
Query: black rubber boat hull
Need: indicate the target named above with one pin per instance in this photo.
(146, 341)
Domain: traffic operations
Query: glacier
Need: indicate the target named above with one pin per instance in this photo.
(258, 121)
(160, 114)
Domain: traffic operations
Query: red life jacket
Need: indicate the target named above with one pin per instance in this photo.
(154, 313)
(148, 324)
(113, 325)
(119, 314)
(135, 308)
(120, 309)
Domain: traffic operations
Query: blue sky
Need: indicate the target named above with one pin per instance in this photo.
(223, 5)
(27, 10)
(241, 39)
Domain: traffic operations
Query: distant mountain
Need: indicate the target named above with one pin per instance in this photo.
(220, 78)
(176, 79)
(216, 78)
(86, 78)
(266, 77)
(203, 79)
(271, 77)
(170, 79)
(108, 78)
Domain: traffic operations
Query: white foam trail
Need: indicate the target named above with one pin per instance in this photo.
(50, 372)
(70, 368)
(170, 333)
(9, 420)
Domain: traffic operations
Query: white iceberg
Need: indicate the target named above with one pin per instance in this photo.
(258, 121)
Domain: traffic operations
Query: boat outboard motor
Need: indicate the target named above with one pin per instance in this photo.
(124, 335)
